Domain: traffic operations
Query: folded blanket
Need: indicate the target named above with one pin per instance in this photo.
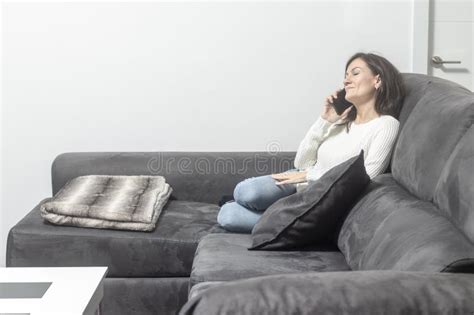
(109, 202)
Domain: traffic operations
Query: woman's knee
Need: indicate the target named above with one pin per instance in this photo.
(249, 198)
(249, 194)
(231, 218)
(241, 188)
(224, 217)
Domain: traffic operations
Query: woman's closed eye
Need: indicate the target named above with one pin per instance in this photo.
(355, 73)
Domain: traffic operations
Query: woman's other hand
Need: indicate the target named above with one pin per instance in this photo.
(289, 178)
(329, 113)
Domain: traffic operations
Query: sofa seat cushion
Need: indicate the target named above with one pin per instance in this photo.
(225, 257)
(389, 228)
(167, 251)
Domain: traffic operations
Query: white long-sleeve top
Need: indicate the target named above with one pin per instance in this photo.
(329, 144)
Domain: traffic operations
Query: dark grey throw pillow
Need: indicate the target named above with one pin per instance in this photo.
(315, 214)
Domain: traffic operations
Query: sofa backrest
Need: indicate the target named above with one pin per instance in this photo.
(194, 176)
(454, 193)
(438, 115)
(433, 156)
(421, 217)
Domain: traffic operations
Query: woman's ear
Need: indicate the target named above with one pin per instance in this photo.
(378, 81)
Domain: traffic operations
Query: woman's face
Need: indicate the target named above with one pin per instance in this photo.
(359, 82)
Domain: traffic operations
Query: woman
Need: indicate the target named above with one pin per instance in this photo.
(374, 87)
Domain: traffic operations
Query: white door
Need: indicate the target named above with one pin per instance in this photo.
(451, 50)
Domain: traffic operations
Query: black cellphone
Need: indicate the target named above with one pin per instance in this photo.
(340, 103)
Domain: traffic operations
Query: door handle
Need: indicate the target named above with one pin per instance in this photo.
(438, 61)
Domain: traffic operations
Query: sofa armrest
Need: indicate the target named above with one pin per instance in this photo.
(194, 176)
(353, 292)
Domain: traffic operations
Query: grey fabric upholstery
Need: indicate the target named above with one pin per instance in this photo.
(201, 287)
(358, 292)
(429, 136)
(225, 257)
(415, 86)
(391, 229)
(168, 251)
(140, 296)
(455, 190)
(194, 176)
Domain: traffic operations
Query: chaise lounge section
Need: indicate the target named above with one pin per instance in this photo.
(148, 271)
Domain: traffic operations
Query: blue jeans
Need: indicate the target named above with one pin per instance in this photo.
(252, 196)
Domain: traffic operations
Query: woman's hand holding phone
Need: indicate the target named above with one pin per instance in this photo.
(329, 113)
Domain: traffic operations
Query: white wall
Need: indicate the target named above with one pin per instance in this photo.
(208, 76)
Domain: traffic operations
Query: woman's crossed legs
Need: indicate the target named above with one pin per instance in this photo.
(252, 196)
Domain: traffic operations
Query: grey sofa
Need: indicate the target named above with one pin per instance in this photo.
(415, 221)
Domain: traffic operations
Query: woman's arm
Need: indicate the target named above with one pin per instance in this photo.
(380, 146)
(319, 131)
(306, 154)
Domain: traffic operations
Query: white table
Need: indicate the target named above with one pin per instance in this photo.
(73, 290)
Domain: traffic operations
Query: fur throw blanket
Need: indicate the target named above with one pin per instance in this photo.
(109, 202)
